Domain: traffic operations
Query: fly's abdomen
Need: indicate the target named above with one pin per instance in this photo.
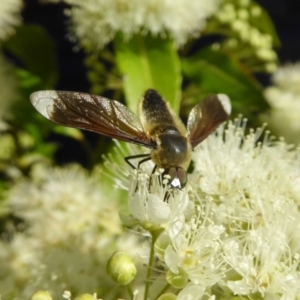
(154, 111)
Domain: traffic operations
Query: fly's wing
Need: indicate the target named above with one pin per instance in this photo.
(206, 116)
(93, 113)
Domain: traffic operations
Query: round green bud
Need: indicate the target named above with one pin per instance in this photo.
(41, 295)
(85, 297)
(121, 268)
(167, 296)
(178, 280)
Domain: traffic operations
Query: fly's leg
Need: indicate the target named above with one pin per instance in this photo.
(128, 158)
(145, 157)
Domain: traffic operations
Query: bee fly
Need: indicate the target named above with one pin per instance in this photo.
(158, 127)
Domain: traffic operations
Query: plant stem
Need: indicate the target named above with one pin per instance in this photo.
(130, 292)
(163, 290)
(149, 271)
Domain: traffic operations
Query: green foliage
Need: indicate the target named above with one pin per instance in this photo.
(34, 48)
(216, 72)
(103, 73)
(148, 62)
(248, 34)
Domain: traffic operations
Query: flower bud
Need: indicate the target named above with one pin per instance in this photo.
(121, 268)
(167, 296)
(41, 295)
(178, 280)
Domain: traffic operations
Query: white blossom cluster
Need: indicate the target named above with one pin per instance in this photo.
(96, 22)
(234, 230)
(246, 37)
(9, 16)
(284, 99)
(67, 227)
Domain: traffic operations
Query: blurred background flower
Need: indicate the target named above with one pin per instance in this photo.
(66, 227)
(95, 23)
(10, 17)
(284, 99)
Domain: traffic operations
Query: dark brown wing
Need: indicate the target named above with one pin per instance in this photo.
(93, 113)
(206, 116)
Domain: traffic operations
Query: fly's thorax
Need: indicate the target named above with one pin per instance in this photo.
(173, 149)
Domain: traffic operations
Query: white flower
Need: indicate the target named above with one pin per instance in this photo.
(151, 203)
(197, 250)
(255, 188)
(233, 231)
(284, 99)
(19, 260)
(239, 230)
(191, 292)
(115, 167)
(244, 233)
(96, 22)
(70, 200)
(9, 16)
(287, 77)
(70, 227)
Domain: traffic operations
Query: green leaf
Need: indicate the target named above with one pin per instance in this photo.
(22, 110)
(73, 133)
(217, 72)
(40, 147)
(149, 62)
(33, 47)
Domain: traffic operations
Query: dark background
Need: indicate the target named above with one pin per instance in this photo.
(284, 13)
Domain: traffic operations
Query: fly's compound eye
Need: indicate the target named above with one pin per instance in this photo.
(177, 177)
